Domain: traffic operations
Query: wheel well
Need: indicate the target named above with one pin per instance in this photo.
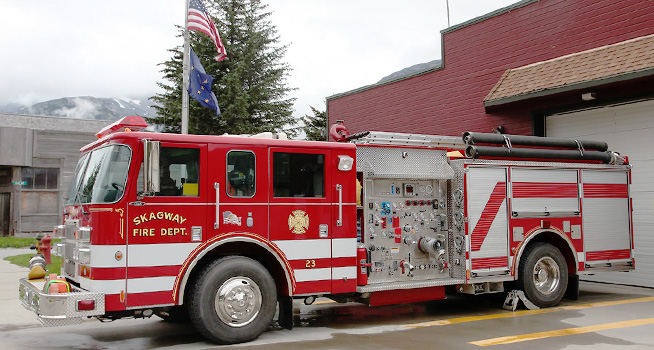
(250, 250)
(560, 243)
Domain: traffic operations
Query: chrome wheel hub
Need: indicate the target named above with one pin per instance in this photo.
(546, 275)
(238, 301)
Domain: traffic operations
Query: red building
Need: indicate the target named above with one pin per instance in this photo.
(564, 68)
(476, 54)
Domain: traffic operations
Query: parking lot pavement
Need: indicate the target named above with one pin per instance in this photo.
(12, 309)
(605, 317)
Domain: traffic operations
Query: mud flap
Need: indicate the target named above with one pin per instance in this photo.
(285, 312)
(572, 292)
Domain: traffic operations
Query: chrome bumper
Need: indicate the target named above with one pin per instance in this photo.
(58, 309)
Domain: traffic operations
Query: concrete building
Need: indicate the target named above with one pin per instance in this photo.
(38, 156)
(579, 69)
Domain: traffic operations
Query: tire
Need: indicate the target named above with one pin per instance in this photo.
(233, 301)
(543, 274)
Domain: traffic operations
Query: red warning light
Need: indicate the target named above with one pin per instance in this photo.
(129, 123)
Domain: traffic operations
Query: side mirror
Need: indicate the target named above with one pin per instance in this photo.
(151, 166)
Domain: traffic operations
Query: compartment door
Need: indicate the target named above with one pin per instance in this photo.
(487, 220)
(606, 221)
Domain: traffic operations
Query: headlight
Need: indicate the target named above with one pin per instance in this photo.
(59, 231)
(84, 256)
(59, 249)
(84, 234)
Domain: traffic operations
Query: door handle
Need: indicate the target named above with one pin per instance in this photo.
(339, 188)
(216, 224)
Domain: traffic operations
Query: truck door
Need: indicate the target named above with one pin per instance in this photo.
(238, 178)
(301, 221)
(487, 220)
(162, 230)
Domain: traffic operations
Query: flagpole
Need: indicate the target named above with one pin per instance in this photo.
(185, 74)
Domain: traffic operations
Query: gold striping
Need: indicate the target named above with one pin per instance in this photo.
(527, 312)
(562, 332)
(478, 318)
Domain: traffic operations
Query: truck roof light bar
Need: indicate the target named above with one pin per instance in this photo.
(129, 123)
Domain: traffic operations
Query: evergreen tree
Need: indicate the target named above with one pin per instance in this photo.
(315, 126)
(250, 84)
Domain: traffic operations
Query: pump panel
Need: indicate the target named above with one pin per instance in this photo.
(406, 229)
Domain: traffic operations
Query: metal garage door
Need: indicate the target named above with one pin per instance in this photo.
(629, 129)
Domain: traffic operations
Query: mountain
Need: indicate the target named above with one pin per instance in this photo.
(11, 108)
(416, 68)
(86, 107)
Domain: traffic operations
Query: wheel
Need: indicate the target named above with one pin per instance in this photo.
(233, 301)
(543, 274)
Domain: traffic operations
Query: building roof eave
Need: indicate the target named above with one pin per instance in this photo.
(571, 87)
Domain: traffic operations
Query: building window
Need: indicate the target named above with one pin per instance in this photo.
(240, 174)
(298, 175)
(39, 193)
(40, 178)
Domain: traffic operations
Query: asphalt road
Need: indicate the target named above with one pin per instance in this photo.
(605, 317)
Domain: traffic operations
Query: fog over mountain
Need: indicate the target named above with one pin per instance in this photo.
(85, 107)
(88, 107)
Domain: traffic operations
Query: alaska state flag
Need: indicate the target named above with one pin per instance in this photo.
(199, 86)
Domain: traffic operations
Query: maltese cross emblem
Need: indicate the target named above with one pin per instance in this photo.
(298, 222)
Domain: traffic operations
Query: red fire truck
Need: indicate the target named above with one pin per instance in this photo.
(228, 230)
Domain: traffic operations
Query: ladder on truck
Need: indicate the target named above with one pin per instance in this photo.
(404, 139)
(498, 146)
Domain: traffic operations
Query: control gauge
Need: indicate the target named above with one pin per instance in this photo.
(429, 189)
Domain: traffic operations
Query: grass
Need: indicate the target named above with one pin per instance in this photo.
(15, 242)
(24, 260)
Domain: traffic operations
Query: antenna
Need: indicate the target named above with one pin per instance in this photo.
(447, 4)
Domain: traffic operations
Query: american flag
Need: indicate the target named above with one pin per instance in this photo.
(200, 20)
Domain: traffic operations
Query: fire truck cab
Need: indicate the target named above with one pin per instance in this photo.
(225, 230)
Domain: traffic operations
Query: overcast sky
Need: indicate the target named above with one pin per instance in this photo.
(56, 48)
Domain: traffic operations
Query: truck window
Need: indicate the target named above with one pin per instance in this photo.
(179, 172)
(298, 175)
(101, 175)
(240, 174)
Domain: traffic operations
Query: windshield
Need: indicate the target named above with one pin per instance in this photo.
(100, 175)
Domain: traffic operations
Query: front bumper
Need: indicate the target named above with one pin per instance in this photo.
(58, 309)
